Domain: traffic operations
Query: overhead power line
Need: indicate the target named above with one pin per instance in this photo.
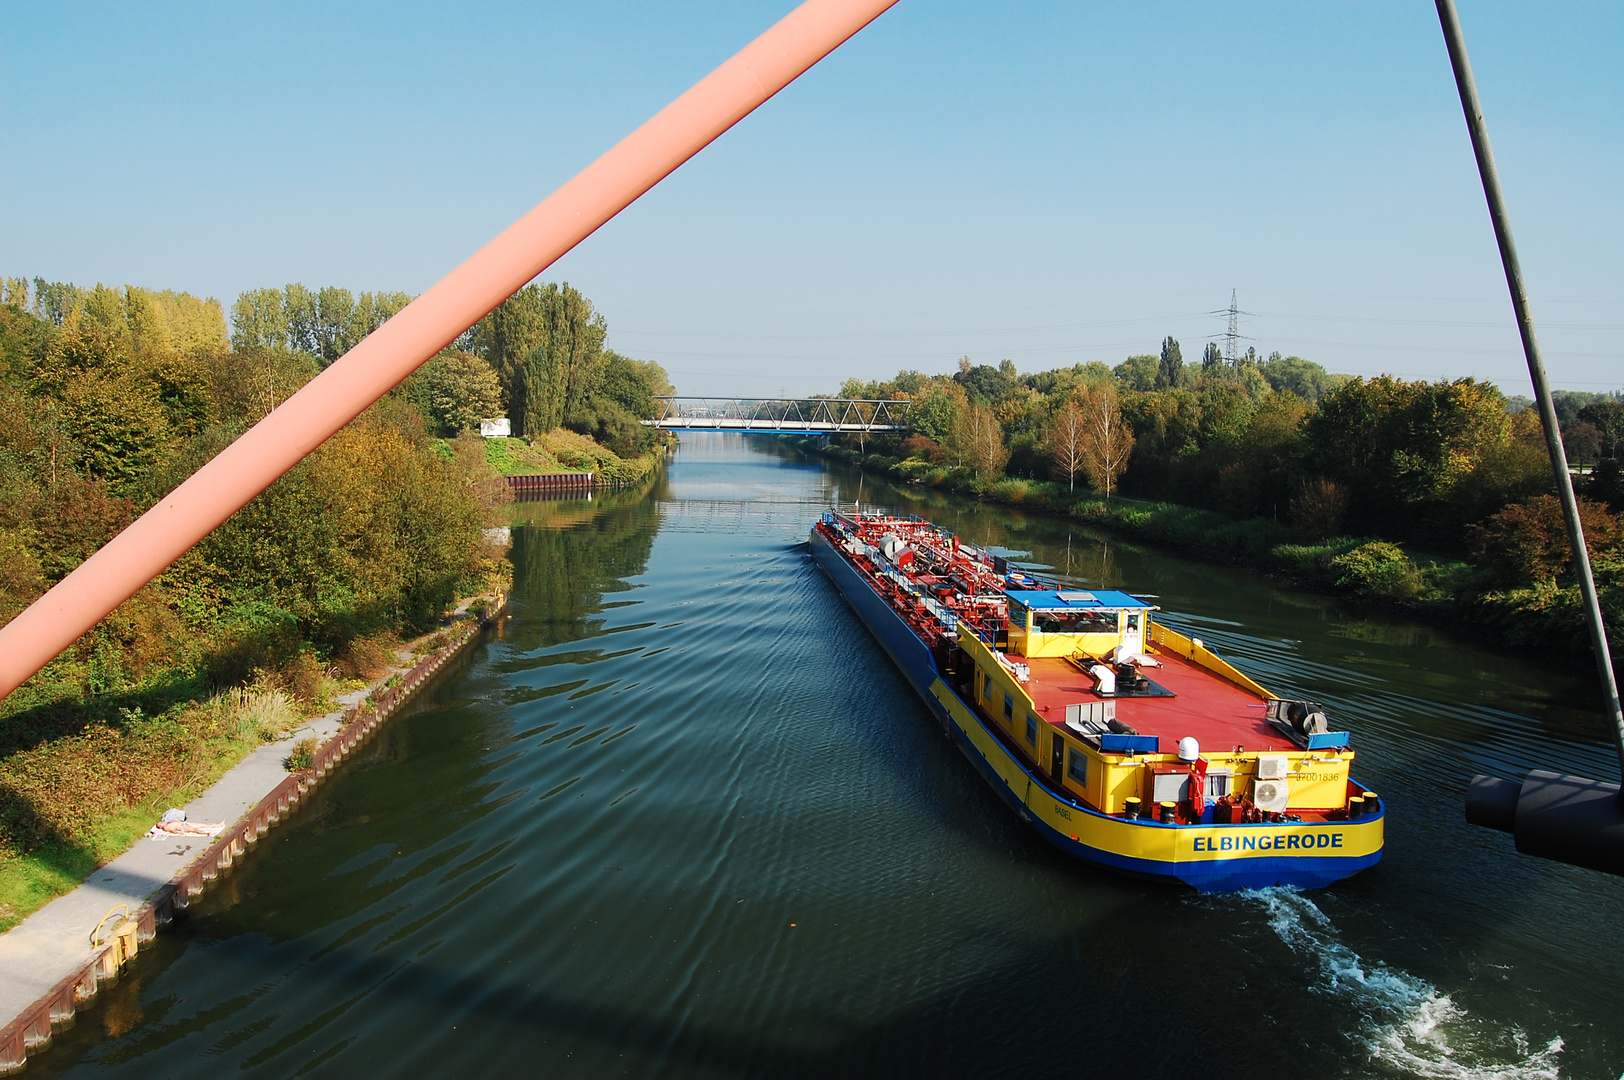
(1233, 336)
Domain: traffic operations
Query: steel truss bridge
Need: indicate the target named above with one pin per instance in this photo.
(782, 416)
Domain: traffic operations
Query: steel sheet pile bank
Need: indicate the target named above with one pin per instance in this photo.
(1120, 740)
(568, 483)
(53, 963)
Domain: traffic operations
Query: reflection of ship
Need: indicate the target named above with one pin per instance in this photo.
(1120, 740)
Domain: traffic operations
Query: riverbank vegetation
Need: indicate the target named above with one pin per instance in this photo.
(1432, 496)
(109, 398)
(562, 450)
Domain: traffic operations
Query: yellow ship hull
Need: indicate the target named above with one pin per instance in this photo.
(1211, 858)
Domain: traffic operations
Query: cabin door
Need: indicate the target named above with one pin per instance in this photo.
(1133, 637)
(1057, 758)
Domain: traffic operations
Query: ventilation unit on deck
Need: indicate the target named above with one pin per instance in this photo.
(1272, 766)
(1270, 795)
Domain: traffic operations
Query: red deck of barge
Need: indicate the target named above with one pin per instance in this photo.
(1215, 712)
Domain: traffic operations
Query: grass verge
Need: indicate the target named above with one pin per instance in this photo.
(564, 451)
(69, 804)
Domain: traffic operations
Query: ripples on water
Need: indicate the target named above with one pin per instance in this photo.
(681, 818)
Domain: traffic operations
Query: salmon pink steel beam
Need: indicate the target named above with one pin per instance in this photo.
(425, 326)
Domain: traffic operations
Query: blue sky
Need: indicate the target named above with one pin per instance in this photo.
(1048, 182)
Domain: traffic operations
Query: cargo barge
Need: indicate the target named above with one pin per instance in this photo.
(1118, 739)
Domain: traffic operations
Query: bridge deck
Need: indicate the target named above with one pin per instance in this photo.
(782, 415)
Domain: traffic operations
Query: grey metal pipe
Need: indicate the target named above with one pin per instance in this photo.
(1536, 366)
(1570, 819)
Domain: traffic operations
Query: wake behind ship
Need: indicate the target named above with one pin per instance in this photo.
(1120, 740)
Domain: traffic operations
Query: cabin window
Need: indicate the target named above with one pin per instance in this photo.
(1009, 708)
(1077, 765)
(1074, 622)
(1031, 730)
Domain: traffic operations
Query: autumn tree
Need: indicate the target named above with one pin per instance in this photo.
(1410, 453)
(977, 440)
(462, 390)
(936, 409)
(1066, 436)
(1139, 372)
(1582, 442)
(370, 531)
(1318, 508)
(1528, 541)
(54, 299)
(1107, 441)
(1607, 417)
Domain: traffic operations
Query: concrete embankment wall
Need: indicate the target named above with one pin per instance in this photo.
(113, 942)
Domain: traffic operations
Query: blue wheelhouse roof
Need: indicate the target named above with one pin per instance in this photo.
(1076, 599)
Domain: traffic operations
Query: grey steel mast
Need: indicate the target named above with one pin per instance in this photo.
(1572, 819)
(1536, 365)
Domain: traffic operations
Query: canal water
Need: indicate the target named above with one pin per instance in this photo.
(681, 817)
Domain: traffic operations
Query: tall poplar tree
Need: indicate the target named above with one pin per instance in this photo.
(1171, 372)
(259, 321)
(335, 310)
(303, 319)
(506, 338)
(546, 344)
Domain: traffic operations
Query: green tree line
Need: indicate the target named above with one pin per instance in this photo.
(1451, 467)
(110, 397)
(538, 359)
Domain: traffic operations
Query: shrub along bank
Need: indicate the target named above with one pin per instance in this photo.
(563, 451)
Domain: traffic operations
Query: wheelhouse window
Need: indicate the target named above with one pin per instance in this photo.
(1077, 765)
(1074, 622)
(1032, 730)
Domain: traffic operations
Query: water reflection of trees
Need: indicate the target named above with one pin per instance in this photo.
(568, 555)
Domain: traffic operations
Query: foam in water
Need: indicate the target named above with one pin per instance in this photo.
(1410, 1029)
